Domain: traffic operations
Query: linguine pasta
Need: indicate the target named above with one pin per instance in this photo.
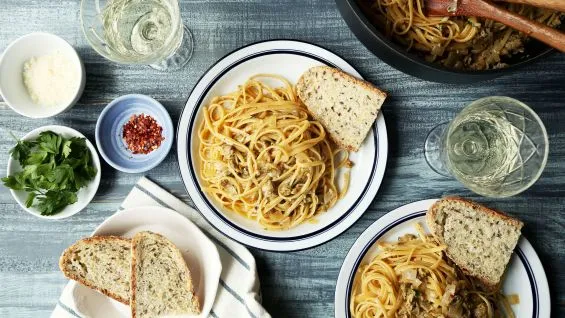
(412, 278)
(263, 157)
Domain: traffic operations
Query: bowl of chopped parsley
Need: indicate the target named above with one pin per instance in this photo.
(53, 172)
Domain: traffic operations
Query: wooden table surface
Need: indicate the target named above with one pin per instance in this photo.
(297, 284)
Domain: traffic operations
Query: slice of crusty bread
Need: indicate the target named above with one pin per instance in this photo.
(480, 241)
(161, 284)
(345, 105)
(101, 263)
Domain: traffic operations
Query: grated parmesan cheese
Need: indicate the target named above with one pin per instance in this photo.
(50, 80)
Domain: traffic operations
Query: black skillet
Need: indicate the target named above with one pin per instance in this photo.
(414, 64)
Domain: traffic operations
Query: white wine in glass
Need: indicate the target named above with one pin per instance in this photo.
(138, 32)
(496, 146)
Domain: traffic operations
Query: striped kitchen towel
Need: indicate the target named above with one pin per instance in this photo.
(238, 291)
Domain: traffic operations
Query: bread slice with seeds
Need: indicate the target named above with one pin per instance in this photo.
(480, 241)
(161, 284)
(102, 263)
(345, 105)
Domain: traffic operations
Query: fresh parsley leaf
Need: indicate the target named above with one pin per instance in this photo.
(66, 148)
(73, 162)
(43, 169)
(30, 171)
(30, 198)
(84, 175)
(21, 150)
(21, 178)
(62, 178)
(35, 158)
(90, 172)
(50, 142)
(55, 201)
(12, 182)
(78, 148)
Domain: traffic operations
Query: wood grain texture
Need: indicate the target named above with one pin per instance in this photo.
(549, 4)
(297, 284)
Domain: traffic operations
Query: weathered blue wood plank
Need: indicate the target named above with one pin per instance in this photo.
(30, 247)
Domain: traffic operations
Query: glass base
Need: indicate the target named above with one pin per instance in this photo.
(181, 56)
(433, 149)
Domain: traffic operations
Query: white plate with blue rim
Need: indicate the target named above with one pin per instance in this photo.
(289, 59)
(525, 275)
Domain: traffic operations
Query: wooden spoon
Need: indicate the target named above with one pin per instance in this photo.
(558, 5)
(484, 9)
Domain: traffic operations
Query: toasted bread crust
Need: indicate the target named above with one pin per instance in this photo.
(435, 229)
(90, 240)
(476, 206)
(347, 78)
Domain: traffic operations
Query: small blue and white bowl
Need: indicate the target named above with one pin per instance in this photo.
(109, 132)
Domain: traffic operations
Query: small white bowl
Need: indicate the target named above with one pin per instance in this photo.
(12, 63)
(85, 194)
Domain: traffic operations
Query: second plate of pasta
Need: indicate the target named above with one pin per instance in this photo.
(255, 163)
(395, 254)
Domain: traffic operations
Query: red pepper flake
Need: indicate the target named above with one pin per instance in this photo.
(142, 134)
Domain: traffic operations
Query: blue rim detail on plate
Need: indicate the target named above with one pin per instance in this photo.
(220, 214)
(532, 279)
(412, 216)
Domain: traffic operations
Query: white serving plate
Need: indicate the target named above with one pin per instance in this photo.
(289, 59)
(525, 275)
(200, 254)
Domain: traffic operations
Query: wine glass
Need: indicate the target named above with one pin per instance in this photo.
(496, 146)
(138, 32)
